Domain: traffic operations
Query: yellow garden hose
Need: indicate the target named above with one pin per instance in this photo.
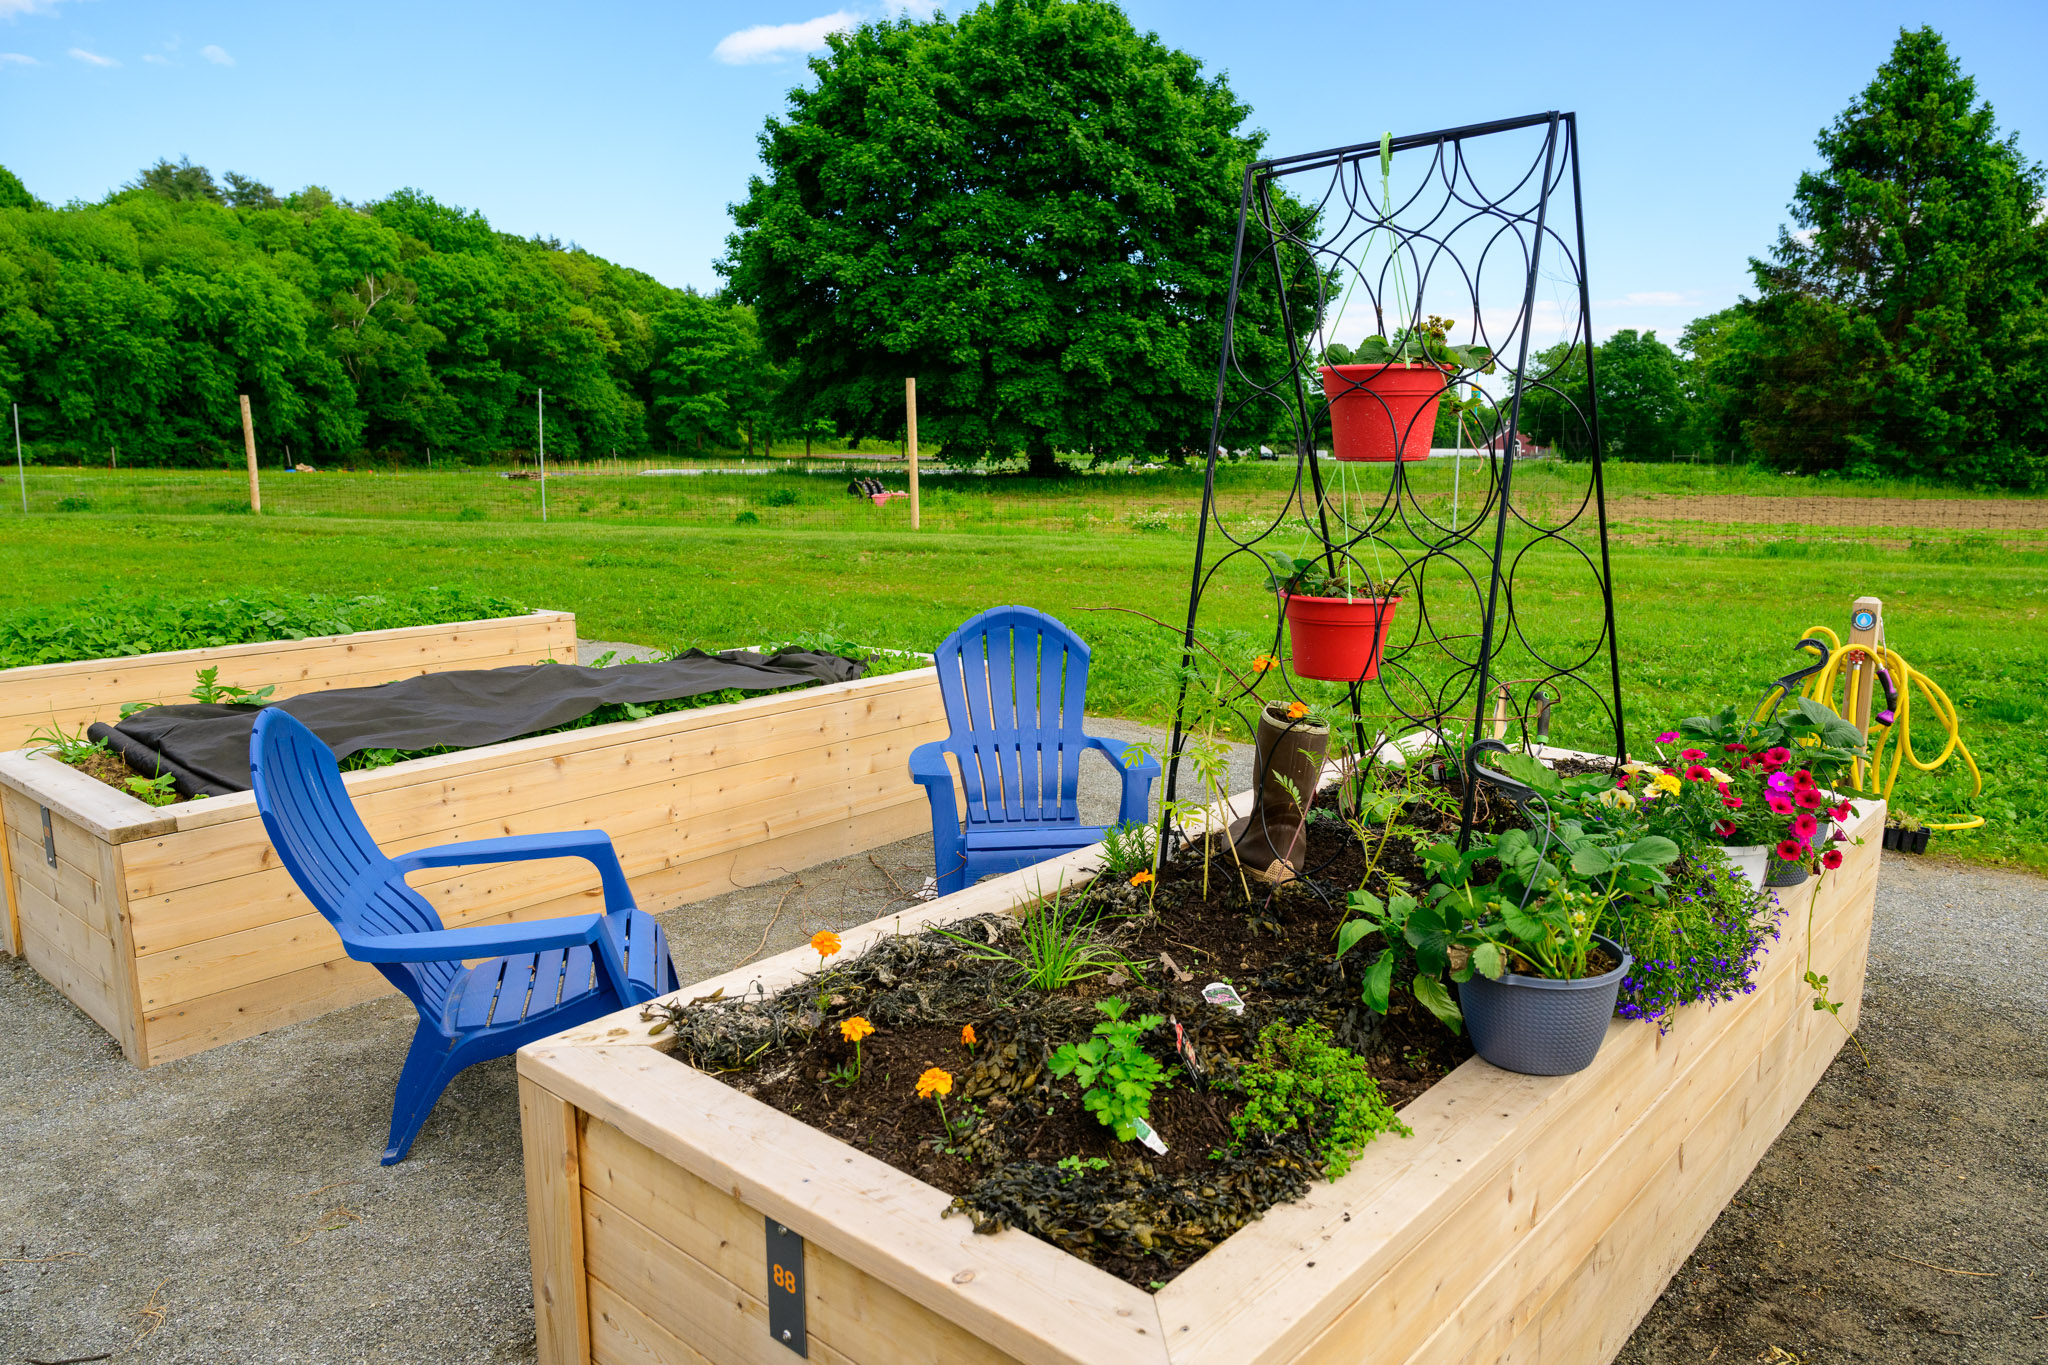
(1822, 685)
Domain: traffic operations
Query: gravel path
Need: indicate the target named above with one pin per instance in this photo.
(229, 1207)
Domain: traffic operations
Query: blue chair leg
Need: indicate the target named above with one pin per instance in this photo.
(949, 848)
(432, 1062)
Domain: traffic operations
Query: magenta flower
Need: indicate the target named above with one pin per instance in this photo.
(1694, 756)
(1788, 851)
(1779, 803)
(1778, 782)
(1804, 825)
(1668, 737)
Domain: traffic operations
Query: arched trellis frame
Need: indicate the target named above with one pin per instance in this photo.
(1483, 220)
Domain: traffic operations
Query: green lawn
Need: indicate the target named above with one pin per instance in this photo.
(1695, 630)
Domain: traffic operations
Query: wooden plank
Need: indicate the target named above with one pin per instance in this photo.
(83, 984)
(1010, 1290)
(229, 1016)
(88, 802)
(496, 891)
(10, 928)
(883, 703)
(855, 1313)
(34, 696)
(75, 843)
(651, 827)
(129, 995)
(623, 1335)
(554, 1224)
(70, 885)
(677, 1297)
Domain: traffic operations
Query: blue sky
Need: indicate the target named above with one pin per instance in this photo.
(628, 127)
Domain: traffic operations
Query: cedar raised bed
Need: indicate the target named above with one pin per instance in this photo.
(176, 929)
(71, 696)
(1527, 1218)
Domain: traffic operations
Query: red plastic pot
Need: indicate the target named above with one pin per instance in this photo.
(1339, 639)
(1383, 412)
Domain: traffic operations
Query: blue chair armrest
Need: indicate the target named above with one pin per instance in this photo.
(493, 940)
(928, 764)
(1138, 774)
(593, 845)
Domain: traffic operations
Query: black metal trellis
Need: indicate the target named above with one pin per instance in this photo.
(1315, 233)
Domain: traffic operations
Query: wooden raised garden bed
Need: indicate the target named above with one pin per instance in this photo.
(70, 696)
(1526, 1219)
(176, 929)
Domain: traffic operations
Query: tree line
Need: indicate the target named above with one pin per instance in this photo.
(1032, 208)
(401, 330)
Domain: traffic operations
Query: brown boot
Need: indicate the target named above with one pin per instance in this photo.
(1272, 841)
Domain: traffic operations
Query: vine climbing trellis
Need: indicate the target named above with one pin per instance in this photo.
(1468, 247)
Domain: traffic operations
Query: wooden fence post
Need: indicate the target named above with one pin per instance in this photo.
(910, 444)
(1866, 627)
(249, 444)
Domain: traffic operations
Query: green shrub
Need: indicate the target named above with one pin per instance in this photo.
(471, 514)
(1299, 1081)
(111, 625)
(780, 497)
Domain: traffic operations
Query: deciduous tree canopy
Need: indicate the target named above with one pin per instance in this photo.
(394, 327)
(1030, 208)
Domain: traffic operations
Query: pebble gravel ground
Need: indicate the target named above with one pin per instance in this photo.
(229, 1207)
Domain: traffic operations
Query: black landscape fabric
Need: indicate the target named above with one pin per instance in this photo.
(206, 747)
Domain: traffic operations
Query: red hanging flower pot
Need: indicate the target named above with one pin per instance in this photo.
(1339, 639)
(1383, 412)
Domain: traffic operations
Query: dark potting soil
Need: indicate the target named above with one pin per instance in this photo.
(1141, 1216)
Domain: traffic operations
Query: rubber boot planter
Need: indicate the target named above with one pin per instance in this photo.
(1382, 413)
(1272, 840)
(1338, 639)
(1541, 1027)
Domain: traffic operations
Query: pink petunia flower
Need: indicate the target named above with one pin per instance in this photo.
(1843, 811)
(1725, 830)
(1732, 802)
(1696, 773)
(1831, 859)
(1694, 755)
(1809, 798)
(1779, 802)
(1668, 737)
(1788, 851)
(1804, 825)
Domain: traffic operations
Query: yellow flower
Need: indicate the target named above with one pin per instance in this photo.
(934, 1082)
(967, 1035)
(1618, 799)
(1264, 663)
(1141, 878)
(1808, 741)
(1665, 782)
(824, 943)
(855, 1029)
(1297, 710)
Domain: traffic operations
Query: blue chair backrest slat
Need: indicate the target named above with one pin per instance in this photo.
(1014, 681)
(326, 847)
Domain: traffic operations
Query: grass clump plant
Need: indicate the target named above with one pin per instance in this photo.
(1300, 1081)
(1056, 946)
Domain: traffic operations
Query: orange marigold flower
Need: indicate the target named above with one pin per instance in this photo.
(855, 1029)
(967, 1035)
(824, 943)
(1297, 710)
(934, 1082)
(1265, 663)
(1141, 879)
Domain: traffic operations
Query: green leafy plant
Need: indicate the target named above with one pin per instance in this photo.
(211, 690)
(1119, 1075)
(1298, 1080)
(67, 746)
(1390, 919)
(1423, 343)
(157, 791)
(1075, 1165)
(1127, 849)
(1056, 946)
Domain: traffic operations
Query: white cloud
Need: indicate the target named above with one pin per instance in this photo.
(17, 59)
(217, 55)
(89, 58)
(14, 9)
(776, 42)
(156, 59)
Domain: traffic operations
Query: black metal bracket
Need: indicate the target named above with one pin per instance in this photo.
(786, 1289)
(49, 839)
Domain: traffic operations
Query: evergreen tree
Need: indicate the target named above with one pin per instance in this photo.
(1903, 328)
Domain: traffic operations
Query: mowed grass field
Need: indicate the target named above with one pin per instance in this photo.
(1697, 630)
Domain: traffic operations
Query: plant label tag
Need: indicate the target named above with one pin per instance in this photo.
(1219, 993)
(1186, 1050)
(1148, 1137)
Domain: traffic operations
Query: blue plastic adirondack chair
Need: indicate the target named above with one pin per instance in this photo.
(539, 977)
(1014, 681)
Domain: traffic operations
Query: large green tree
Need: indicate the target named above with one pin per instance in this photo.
(1902, 328)
(1029, 208)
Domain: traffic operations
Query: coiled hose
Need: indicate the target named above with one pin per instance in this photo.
(1891, 724)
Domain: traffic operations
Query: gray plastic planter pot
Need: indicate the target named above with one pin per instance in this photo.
(1541, 1027)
